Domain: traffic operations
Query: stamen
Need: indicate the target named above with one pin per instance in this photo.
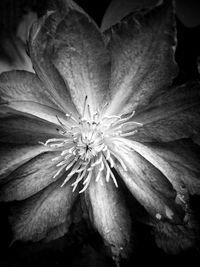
(84, 147)
(89, 112)
(85, 102)
(87, 181)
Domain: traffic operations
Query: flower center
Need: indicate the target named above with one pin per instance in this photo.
(84, 147)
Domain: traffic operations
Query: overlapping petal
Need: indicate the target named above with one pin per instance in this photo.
(171, 115)
(178, 161)
(13, 156)
(33, 218)
(67, 43)
(20, 129)
(109, 215)
(24, 92)
(30, 178)
(142, 57)
(149, 186)
(82, 59)
(41, 51)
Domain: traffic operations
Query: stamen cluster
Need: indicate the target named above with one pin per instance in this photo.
(84, 146)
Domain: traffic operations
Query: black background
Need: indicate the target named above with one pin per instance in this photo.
(84, 247)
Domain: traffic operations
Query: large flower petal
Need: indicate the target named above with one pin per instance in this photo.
(67, 42)
(30, 178)
(172, 115)
(178, 161)
(20, 129)
(81, 57)
(33, 218)
(23, 91)
(149, 186)
(142, 53)
(13, 155)
(41, 52)
(109, 215)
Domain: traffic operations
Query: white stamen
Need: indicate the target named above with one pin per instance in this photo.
(84, 145)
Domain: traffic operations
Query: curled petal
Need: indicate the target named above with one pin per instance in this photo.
(172, 115)
(109, 215)
(142, 57)
(34, 217)
(30, 178)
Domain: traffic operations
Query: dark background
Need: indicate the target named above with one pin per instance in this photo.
(83, 247)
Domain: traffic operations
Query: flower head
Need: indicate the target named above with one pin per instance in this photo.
(100, 117)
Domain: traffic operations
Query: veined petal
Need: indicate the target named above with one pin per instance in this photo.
(24, 92)
(109, 215)
(30, 178)
(20, 129)
(178, 161)
(172, 115)
(81, 57)
(149, 186)
(142, 57)
(13, 156)
(41, 49)
(34, 217)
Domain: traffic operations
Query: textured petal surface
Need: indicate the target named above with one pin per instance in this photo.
(70, 41)
(178, 161)
(149, 186)
(174, 238)
(171, 115)
(109, 216)
(24, 92)
(142, 57)
(20, 129)
(33, 218)
(12, 156)
(41, 53)
(82, 59)
(30, 178)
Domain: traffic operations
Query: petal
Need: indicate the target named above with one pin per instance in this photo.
(81, 58)
(19, 129)
(172, 115)
(174, 238)
(118, 9)
(142, 57)
(33, 218)
(109, 215)
(149, 186)
(42, 49)
(178, 161)
(30, 178)
(58, 231)
(24, 92)
(12, 156)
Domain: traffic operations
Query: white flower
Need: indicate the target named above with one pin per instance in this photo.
(100, 117)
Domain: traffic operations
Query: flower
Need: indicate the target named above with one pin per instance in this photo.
(101, 116)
